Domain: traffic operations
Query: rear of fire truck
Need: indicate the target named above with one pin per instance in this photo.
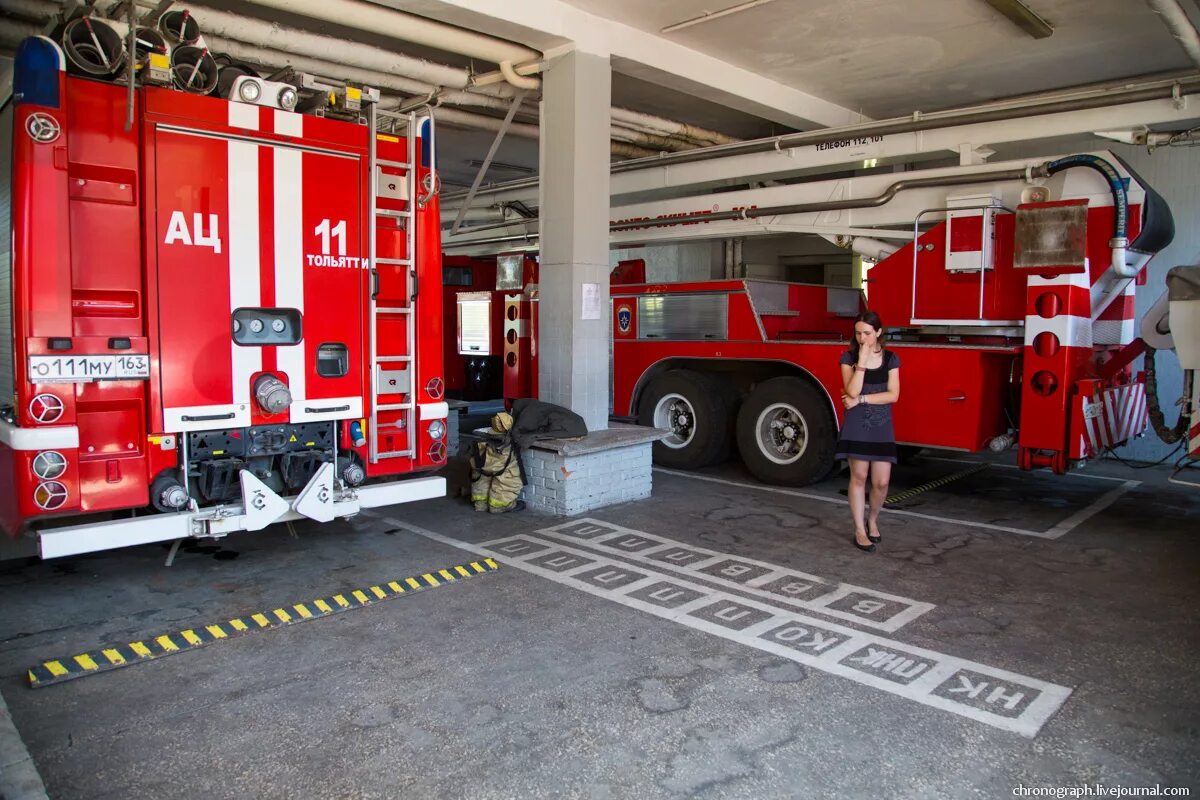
(224, 312)
(1012, 310)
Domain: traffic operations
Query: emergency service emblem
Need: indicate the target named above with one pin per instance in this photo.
(42, 128)
(624, 318)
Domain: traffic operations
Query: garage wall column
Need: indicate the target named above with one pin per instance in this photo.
(573, 308)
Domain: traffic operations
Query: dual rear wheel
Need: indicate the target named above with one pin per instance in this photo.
(784, 430)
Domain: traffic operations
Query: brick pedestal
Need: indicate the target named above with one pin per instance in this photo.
(601, 469)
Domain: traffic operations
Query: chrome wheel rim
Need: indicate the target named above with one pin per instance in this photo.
(674, 413)
(781, 433)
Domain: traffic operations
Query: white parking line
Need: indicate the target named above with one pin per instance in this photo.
(1053, 533)
(1084, 514)
(995, 697)
(1014, 466)
(760, 578)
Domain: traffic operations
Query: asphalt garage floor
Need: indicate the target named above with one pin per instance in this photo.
(717, 640)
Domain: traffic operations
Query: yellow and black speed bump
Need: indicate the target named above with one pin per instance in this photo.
(122, 655)
(908, 494)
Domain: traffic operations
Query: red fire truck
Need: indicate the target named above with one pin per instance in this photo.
(225, 313)
(1013, 318)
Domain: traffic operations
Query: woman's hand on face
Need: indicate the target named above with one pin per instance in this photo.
(866, 349)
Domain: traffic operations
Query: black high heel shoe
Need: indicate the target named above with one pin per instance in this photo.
(867, 548)
(874, 538)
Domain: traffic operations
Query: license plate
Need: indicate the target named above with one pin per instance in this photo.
(84, 369)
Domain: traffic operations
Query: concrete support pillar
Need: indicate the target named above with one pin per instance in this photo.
(573, 308)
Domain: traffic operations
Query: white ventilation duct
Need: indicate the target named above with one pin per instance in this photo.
(274, 46)
(222, 25)
(419, 30)
(1175, 18)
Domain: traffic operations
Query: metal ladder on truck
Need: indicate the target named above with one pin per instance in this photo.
(383, 363)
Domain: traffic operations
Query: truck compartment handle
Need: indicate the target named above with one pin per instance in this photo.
(326, 410)
(209, 417)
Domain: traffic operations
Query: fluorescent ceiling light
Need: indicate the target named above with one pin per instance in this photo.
(1023, 17)
(707, 15)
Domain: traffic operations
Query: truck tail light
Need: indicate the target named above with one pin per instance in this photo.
(434, 388)
(49, 464)
(46, 408)
(437, 429)
(437, 451)
(50, 495)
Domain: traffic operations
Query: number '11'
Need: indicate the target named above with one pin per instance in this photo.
(337, 232)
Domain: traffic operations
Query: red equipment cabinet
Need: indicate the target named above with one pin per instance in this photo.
(1003, 322)
(230, 313)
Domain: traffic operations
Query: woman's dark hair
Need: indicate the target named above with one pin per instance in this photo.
(872, 319)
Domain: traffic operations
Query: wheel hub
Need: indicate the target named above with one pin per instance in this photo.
(675, 414)
(782, 433)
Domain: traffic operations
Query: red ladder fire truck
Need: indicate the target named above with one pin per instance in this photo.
(225, 313)
(1013, 318)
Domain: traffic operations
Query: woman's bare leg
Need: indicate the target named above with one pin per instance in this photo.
(857, 493)
(881, 476)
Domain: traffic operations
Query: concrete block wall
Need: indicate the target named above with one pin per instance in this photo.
(572, 484)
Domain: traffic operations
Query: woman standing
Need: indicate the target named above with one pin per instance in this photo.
(871, 383)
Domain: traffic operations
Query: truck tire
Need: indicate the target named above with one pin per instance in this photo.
(785, 433)
(690, 405)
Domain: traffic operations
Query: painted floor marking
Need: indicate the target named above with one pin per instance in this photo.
(1014, 466)
(858, 604)
(992, 696)
(1098, 505)
(115, 656)
(1054, 532)
(936, 483)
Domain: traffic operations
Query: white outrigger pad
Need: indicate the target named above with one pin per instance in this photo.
(316, 501)
(262, 505)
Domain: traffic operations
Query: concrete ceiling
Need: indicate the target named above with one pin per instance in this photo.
(886, 59)
(789, 64)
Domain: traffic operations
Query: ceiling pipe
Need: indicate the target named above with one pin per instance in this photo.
(265, 34)
(272, 59)
(679, 130)
(12, 33)
(1022, 173)
(452, 116)
(1180, 25)
(489, 214)
(419, 30)
(489, 78)
(221, 28)
(651, 140)
(510, 75)
(1063, 102)
(274, 46)
(34, 10)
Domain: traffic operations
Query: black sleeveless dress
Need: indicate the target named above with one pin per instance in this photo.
(867, 433)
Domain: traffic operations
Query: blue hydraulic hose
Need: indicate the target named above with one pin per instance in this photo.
(1119, 192)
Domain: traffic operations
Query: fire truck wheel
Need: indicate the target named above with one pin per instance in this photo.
(690, 406)
(785, 433)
